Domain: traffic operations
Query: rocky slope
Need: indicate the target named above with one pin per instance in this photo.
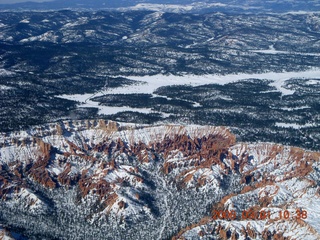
(97, 179)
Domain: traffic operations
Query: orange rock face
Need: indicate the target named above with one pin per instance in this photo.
(40, 174)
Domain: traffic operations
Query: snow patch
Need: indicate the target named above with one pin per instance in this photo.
(25, 21)
(4, 87)
(293, 125)
(296, 108)
(313, 82)
(4, 72)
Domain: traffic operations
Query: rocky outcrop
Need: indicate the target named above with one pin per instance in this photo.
(39, 173)
(5, 234)
(66, 178)
(44, 148)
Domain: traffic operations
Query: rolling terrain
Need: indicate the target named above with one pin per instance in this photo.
(255, 73)
(179, 123)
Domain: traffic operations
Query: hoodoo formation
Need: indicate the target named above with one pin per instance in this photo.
(138, 175)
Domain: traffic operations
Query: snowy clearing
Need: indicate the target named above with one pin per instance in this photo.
(148, 84)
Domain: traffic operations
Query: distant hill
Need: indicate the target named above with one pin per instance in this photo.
(171, 6)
